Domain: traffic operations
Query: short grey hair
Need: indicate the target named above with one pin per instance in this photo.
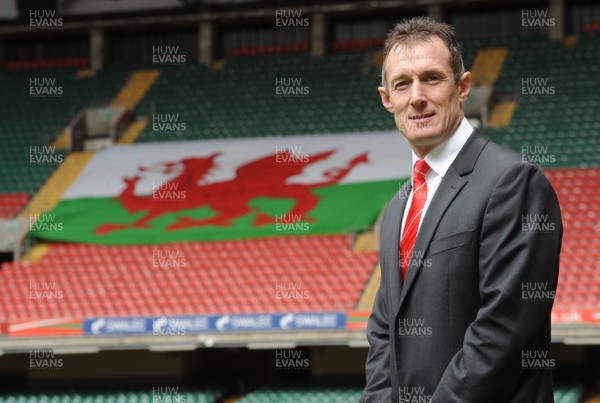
(418, 29)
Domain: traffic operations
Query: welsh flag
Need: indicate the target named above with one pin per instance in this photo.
(230, 189)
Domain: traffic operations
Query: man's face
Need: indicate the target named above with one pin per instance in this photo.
(423, 94)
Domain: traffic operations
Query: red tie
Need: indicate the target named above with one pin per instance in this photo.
(411, 226)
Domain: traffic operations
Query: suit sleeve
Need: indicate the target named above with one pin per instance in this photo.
(519, 244)
(377, 368)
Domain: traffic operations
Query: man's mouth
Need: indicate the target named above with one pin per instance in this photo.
(417, 117)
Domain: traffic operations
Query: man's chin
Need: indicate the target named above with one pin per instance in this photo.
(429, 136)
(423, 142)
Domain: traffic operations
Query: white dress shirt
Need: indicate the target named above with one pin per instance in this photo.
(439, 160)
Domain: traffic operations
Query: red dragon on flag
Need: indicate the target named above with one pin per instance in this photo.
(229, 199)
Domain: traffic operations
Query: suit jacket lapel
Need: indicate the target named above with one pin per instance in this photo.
(450, 186)
(390, 240)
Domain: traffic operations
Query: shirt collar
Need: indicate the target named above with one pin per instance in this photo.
(443, 155)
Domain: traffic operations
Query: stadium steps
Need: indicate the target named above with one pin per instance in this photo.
(133, 131)
(135, 88)
(85, 73)
(130, 94)
(570, 41)
(368, 296)
(50, 194)
(36, 253)
(376, 61)
(502, 114)
(217, 65)
(487, 65)
(365, 241)
(61, 140)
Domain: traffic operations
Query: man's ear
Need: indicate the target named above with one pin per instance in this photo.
(464, 86)
(385, 99)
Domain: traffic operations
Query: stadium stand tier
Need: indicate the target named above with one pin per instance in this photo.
(278, 394)
(245, 276)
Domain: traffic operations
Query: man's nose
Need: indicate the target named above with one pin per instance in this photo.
(417, 94)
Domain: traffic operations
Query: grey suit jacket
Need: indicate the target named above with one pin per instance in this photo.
(471, 323)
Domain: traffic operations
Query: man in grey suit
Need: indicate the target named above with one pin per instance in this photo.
(469, 248)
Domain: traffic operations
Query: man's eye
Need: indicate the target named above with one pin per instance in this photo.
(432, 78)
(401, 85)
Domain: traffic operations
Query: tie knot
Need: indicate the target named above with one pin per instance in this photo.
(421, 169)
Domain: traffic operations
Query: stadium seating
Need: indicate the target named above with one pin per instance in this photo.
(241, 100)
(307, 394)
(304, 395)
(560, 120)
(562, 394)
(579, 197)
(568, 394)
(30, 121)
(11, 204)
(241, 276)
(185, 395)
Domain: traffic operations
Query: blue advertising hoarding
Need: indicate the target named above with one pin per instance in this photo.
(180, 325)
